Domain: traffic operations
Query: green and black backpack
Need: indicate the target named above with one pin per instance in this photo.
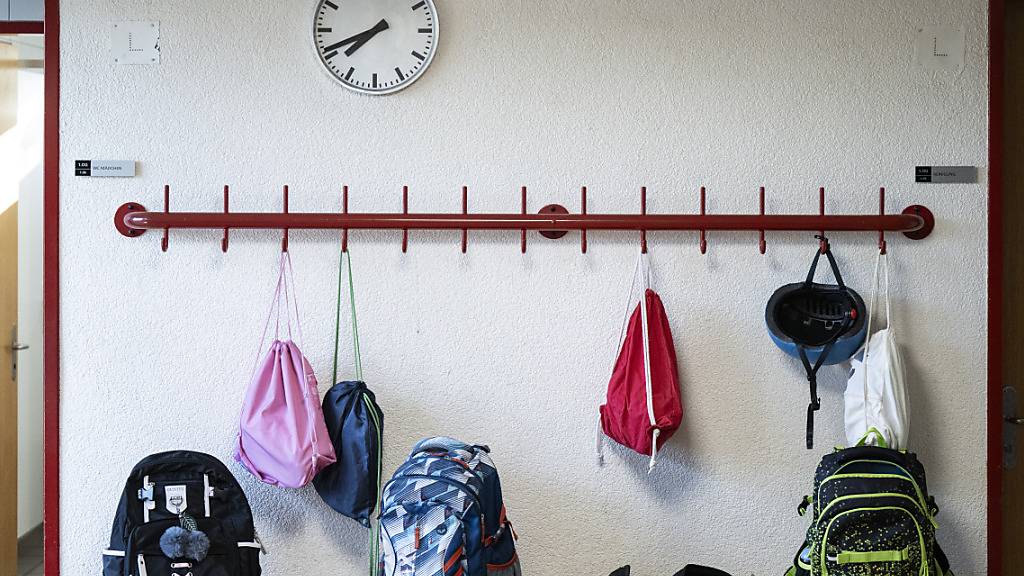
(871, 515)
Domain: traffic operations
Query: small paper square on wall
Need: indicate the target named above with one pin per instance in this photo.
(135, 42)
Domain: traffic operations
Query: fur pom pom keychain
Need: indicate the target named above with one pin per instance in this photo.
(185, 541)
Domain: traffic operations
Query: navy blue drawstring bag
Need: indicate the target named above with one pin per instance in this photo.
(356, 426)
(355, 423)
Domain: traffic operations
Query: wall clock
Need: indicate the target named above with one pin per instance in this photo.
(375, 46)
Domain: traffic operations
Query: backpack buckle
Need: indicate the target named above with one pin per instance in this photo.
(146, 492)
(801, 509)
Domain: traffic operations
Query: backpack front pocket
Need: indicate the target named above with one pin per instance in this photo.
(883, 540)
(428, 540)
(146, 558)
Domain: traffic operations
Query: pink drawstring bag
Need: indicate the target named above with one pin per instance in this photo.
(282, 437)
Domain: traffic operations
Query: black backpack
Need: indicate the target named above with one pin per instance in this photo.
(188, 504)
(871, 515)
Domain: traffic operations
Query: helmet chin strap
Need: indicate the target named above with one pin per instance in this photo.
(812, 371)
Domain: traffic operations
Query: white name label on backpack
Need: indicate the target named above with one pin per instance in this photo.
(176, 499)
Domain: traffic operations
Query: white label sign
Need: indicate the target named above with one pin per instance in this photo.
(940, 48)
(105, 168)
(135, 43)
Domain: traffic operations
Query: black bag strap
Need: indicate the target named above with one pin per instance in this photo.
(831, 262)
(812, 379)
(812, 371)
(812, 375)
(940, 557)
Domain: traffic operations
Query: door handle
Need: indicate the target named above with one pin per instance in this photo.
(1010, 423)
(15, 347)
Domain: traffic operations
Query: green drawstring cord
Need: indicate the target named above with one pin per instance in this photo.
(374, 544)
(355, 325)
(337, 319)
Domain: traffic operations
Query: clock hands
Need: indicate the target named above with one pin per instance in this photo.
(359, 39)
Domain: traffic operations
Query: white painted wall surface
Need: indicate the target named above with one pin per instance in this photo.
(508, 349)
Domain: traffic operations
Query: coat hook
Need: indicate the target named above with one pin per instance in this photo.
(823, 243)
(405, 210)
(643, 212)
(224, 240)
(703, 235)
(583, 211)
(522, 241)
(284, 236)
(762, 246)
(881, 212)
(344, 210)
(465, 210)
(167, 209)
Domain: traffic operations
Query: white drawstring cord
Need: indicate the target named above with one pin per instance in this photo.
(647, 362)
(654, 449)
(600, 442)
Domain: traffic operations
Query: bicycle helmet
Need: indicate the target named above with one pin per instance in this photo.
(821, 324)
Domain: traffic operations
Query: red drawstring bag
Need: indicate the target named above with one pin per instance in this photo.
(643, 408)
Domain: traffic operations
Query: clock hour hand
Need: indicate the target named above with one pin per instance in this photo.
(357, 40)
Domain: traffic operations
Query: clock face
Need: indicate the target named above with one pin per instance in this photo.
(375, 46)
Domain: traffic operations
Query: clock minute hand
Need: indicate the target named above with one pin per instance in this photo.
(357, 40)
(365, 36)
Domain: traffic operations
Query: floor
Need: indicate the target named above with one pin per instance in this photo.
(30, 553)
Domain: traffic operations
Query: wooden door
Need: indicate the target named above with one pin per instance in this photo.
(8, 318)
(1013, 276)
(8, 392)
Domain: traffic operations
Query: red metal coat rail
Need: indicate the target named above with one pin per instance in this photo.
(553, 221)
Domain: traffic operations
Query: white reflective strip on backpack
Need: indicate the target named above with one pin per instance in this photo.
(142, 566)
(148, 505)
(250, 545)
(206, 494)
(117, 553)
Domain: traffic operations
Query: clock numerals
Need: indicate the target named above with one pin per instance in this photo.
(375, 46)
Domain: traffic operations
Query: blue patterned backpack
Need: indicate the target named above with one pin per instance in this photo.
(443, 515)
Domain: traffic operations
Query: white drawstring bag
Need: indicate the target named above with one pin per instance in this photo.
(877, 408)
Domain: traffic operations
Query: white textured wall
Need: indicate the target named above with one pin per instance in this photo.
(508, 349)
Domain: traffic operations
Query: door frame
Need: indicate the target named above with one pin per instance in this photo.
(996, 36)
(51, 288)
(51, 284)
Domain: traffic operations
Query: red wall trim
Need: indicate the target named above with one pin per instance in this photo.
(51, 292)
(21, 27)
(995, 288)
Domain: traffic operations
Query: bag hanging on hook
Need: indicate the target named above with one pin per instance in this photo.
(643, 408)
(821, 324)
(355, 422)
(877, 404)
(282, 438)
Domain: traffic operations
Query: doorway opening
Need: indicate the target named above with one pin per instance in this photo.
(21, 304)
